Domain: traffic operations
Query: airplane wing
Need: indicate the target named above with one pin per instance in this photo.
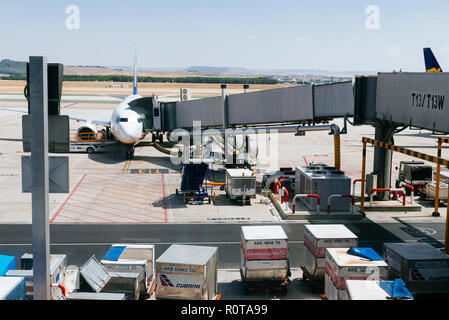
(99, 122)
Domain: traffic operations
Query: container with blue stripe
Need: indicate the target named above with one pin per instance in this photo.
(12, 288)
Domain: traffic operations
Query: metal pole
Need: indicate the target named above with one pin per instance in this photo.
(446, 240)
(40, 181)
(337, 157)
(436, 212)
(362, 193)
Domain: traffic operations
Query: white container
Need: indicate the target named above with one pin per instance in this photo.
(240, 183)
(341, 266)
(28, 275)
(365, 290)
(132, 258)
(12, 288)
(187, 272)
(264, 253)
(422, 267)
(319, 237)
(58, 263)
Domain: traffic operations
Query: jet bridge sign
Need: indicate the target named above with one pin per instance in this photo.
(414, 99)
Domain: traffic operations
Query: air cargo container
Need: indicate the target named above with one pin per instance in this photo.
(132, 258)
(12, 288)
(187, 272)
(58, 263)
(319, 237)
(6, 263)
(264, 253)
(422, 267)
(28, 275)
(371, 290)
(96, 296)
(240, 184)
(342, 266)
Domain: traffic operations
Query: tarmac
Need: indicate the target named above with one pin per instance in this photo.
(108, 189)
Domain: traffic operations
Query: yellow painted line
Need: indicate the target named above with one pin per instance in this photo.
(128, 162)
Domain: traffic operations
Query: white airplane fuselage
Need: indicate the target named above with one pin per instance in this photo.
(126, 124)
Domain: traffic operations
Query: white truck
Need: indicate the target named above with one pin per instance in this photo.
(90, 147)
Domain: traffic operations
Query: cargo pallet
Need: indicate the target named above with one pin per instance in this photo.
(316, 283)
(265, 285)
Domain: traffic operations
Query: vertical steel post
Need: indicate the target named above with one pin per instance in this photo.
(446, 240)
(40, 181)
(436, 212)
(362, 193)
(337, 156)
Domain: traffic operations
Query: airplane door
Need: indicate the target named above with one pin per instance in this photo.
(157, 117)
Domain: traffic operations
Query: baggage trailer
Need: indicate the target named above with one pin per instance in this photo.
(264, 259)
(240, 185)
(317, 238)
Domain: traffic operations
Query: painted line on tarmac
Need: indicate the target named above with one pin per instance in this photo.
(169, 243)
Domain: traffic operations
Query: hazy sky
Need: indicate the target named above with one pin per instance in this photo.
(262, 34)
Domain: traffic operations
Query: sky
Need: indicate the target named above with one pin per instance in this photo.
(343, 35)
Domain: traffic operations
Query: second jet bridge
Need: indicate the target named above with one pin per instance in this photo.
(298, 104)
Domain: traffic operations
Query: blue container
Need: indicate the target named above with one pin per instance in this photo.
(7, 263)
(12, 288)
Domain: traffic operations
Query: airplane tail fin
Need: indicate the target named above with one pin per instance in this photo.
(135, 74)
(430, 61)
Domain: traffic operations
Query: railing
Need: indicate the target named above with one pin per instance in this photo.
(412, 190)
(306, 196)
(402, 190)
(353, 185)
(332, 196)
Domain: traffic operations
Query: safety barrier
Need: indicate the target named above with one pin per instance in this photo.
(285, 196)
(412, 190)
(60, 286)
(388, 190)
(332, 196)
(277, 182)
(353, 185)
(306, 196)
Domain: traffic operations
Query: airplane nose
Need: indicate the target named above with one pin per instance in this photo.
(130, 133)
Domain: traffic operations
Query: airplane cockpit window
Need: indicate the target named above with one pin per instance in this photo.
(123, 119)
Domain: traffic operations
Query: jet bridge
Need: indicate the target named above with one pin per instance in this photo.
(298, 104)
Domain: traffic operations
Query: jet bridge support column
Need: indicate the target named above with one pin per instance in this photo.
(382, 157)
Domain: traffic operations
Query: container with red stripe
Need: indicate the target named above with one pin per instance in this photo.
(319, 237)
(341, 266)
(264, 251)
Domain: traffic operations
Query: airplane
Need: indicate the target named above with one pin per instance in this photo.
(431, 62)
(128, 124)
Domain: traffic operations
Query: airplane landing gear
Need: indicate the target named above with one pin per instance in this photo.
(130, 153)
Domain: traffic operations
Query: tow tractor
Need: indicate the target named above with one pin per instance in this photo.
(285, 175)
(414, 173)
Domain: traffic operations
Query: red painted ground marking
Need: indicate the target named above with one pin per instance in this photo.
(128, 184)
(86, 214)
(304, 157)
(110, 190)
(113, 197)
(108, 193)
(104, 212)
(126, 208)
(75, 219)
(163, 196)
(67, 199)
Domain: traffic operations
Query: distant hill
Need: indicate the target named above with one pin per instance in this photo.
(13, 68)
